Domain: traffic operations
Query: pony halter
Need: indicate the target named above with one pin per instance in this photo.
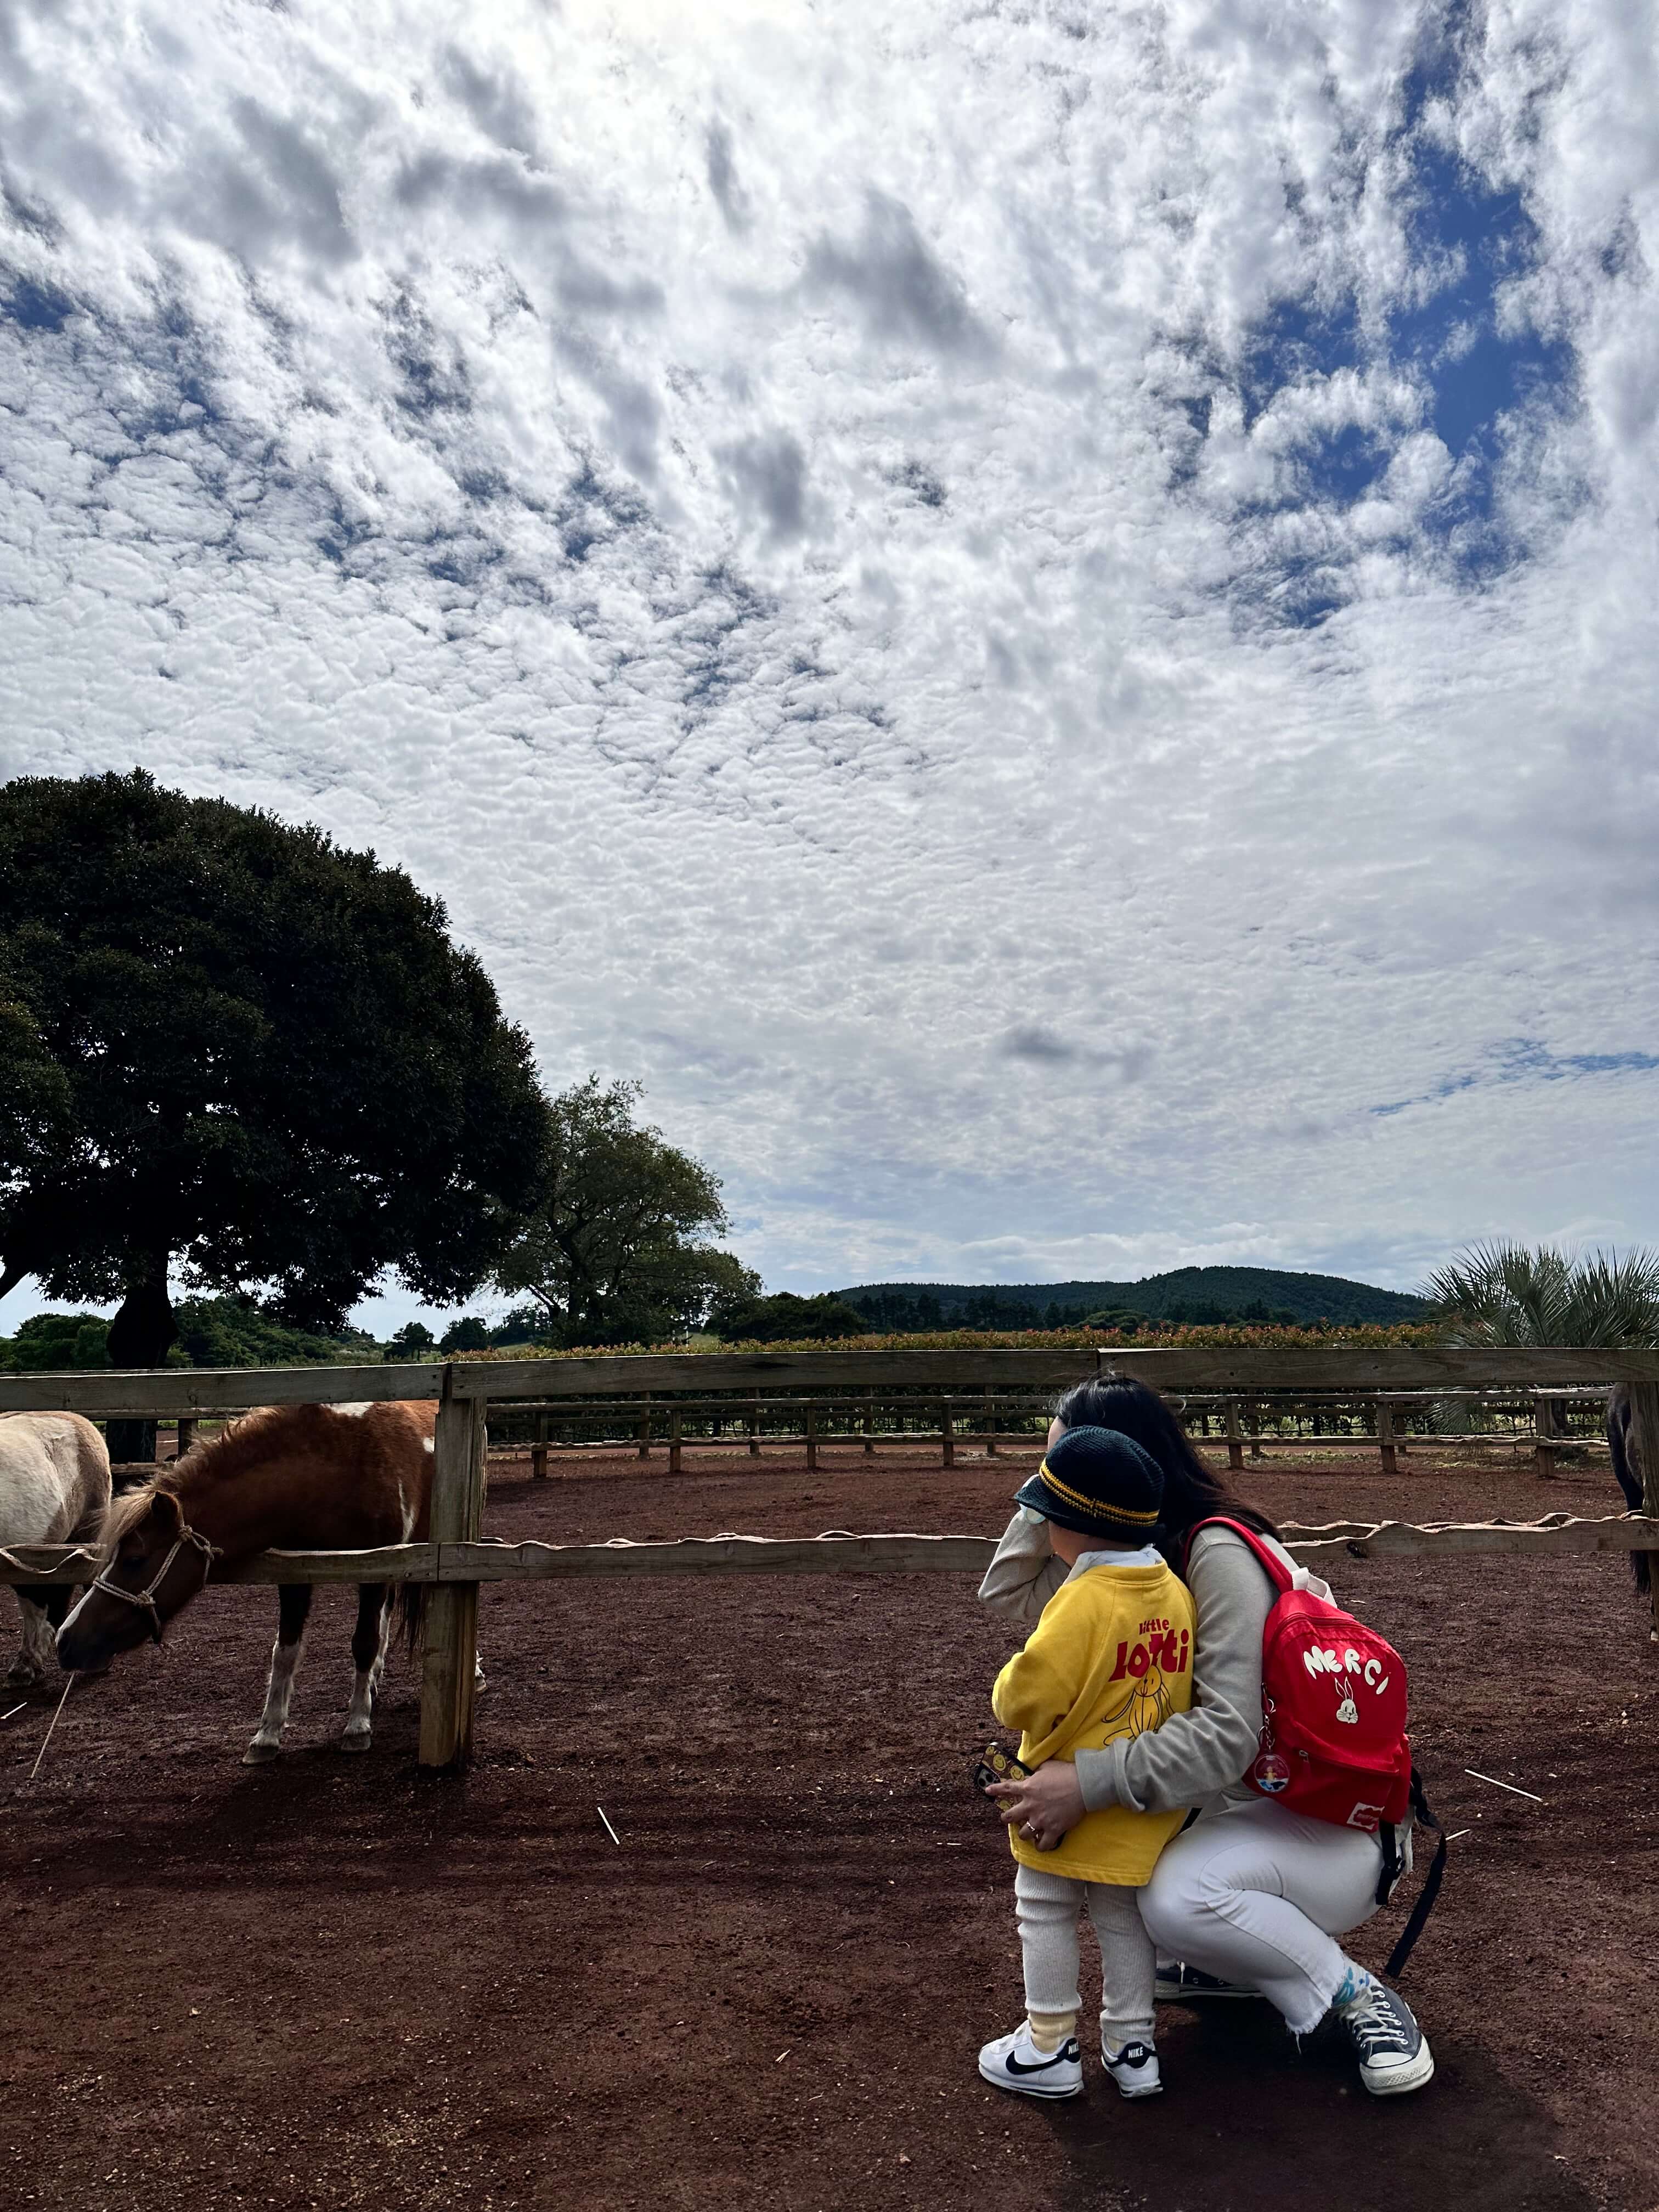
(145, 1598)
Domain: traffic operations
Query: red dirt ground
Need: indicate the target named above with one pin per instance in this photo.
(335, 1983)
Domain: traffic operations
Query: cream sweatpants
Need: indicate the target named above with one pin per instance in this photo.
(1256, 1895)
(1046, 1905)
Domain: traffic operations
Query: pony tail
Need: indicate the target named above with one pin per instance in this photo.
(411, 1615)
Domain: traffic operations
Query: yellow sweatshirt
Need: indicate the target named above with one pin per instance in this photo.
(1111, 1656)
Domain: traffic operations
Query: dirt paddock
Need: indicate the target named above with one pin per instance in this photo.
(335, 1983)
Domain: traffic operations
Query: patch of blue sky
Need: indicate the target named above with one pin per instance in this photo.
(1525, 1059)
(1458, 334)
(33, 307)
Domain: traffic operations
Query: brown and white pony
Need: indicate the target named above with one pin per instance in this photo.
(291, 1478)
(54, 1489)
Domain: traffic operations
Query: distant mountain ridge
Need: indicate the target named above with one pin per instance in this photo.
(1188, 1294)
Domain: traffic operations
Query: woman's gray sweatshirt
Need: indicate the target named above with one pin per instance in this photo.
(1197, 1758)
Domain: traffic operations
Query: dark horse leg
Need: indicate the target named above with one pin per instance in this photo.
(43, 1607)
(369, 1657)
(1627, 1472)
(293, 1605)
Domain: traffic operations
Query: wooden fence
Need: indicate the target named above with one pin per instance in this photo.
(456, 1560)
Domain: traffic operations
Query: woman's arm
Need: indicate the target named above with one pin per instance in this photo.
(1023, 1573)
(1195, 1755)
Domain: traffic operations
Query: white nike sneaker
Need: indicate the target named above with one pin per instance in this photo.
(1393, 2051)
(1134, 2070)
(1013, 2062)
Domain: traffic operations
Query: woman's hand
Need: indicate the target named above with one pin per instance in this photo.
(1043, 1806)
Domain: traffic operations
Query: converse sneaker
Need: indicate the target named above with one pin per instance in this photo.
(1180, 1983)
(1393, 2051)
(1013, 2062)
(1134, 2070)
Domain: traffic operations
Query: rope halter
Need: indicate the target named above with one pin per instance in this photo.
(145, 1598)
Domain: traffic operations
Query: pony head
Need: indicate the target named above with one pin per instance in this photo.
(153, 1564)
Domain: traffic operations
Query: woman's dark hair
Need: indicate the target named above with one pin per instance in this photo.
(1191, 1492)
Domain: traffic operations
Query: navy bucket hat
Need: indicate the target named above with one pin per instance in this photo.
(1098, 1483)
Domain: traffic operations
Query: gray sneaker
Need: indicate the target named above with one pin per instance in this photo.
(1180, 1983)
(1393, 2051)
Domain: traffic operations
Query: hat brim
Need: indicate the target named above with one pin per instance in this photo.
(1036, 1494)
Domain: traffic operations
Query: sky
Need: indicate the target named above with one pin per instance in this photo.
(1042, 617)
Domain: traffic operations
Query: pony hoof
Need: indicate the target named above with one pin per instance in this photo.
(22, 1678)
(356, 1739)
(261, 1754)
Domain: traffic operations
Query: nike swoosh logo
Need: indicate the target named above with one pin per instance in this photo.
(1014, 2066)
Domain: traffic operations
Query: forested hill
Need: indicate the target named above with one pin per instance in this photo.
(1195, 1295)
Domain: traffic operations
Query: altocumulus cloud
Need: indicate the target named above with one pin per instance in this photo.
(1042, 616)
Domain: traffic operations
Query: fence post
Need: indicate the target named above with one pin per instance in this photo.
(186, 1436)
(674, 1442)
(754, 1428)
(1645, 1440)
(947, 1436)
(538, 1457)
(449, 1642)
(870, 1425)
(1544, 1431)
(990, 1428)
(1235, 1436)
(1385, 1435)
(811, 1439)
(644, 1433)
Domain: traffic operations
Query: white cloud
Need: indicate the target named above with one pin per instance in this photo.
(839, 543)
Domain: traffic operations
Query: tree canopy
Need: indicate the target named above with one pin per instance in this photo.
(229, 1047)
(785, 1317)
(1509, 1294)
(617, 1248)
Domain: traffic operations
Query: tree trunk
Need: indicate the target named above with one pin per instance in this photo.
(141, 1335)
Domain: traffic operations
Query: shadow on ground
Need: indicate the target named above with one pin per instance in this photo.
(1248, 2120)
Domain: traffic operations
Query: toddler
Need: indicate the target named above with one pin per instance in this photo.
(1111, 1656)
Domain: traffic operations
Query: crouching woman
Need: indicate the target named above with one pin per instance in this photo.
(1250, 1894)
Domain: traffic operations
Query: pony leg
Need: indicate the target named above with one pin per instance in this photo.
(368, 1642)
(38, 1647)
(293, 1605)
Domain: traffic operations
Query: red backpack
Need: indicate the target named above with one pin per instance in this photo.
(1334, 1743)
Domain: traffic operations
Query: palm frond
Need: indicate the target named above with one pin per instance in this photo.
(1503, 1293)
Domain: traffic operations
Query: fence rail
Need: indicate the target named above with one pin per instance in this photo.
(1250, 1370)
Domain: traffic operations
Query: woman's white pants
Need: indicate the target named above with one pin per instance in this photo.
(1256, 1894)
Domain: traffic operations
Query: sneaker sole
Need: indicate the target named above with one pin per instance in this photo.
(1131, 2096)
(1400, 2081)
(1020, 2088)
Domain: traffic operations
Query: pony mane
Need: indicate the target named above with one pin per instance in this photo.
(218, 1459)
(127, 1510)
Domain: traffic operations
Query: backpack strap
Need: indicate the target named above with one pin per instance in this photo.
(1281, 1577)
(1430, 1890)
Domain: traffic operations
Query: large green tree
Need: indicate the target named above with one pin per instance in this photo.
(619, 1248)
(233, 1052)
